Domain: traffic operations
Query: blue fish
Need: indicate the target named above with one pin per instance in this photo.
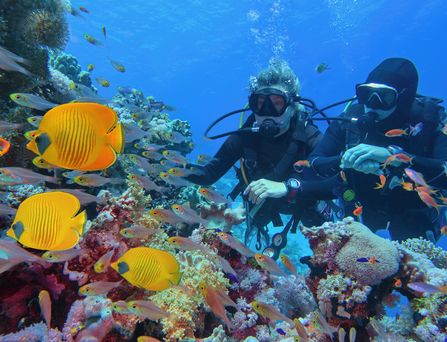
(280, 331)
(371, 260)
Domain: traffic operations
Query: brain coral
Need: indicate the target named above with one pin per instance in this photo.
(365, 244)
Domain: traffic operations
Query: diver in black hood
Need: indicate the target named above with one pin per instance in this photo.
(382, 161)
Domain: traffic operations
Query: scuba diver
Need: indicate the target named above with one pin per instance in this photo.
(275, 136)
(385, 156)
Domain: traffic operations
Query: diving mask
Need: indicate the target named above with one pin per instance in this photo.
(269, 102)
(377, 96)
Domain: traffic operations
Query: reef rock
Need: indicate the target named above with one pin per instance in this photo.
(363, 243)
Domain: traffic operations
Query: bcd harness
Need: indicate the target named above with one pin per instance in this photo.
(301, 133)
(424, 109)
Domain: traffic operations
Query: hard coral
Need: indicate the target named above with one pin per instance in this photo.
(365, 244)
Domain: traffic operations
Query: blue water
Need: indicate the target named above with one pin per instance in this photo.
(198, 55)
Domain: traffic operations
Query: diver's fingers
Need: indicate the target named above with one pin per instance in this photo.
(356, 153)
(250, 187)
(261, 197)
(362, 158)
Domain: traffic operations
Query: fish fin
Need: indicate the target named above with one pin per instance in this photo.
(17, 228)
(71, 238)
(32, 146)
(79, 222)
(42, 142)
(106, 158)
(116, 138)
(175, 278)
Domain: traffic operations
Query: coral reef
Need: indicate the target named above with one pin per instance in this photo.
(29, 29)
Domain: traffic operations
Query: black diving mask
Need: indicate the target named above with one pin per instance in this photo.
(377, 96)
(269, 102)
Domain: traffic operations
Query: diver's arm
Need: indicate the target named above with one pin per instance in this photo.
(226, 156)
(325, 158)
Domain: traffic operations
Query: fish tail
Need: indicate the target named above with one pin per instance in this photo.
(79, 222)
(116, 138)
(176, 277)
(405, 132)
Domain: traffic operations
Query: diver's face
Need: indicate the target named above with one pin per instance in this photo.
(381, 114)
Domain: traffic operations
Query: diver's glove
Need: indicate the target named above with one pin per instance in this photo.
(261, 189)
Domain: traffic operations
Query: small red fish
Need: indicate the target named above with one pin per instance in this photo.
(4, 146)
(380, 185)
(407, 186)
(300, 164)
(392, 133)
(398, 283)
(444, 230)
(358, 210)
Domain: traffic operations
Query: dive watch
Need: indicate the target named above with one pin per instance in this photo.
(293, 185)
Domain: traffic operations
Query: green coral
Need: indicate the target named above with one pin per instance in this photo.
(437, 255)
(70, 67)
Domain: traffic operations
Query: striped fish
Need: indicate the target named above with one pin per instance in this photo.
(148, 268)
(79, 136)
(48, 221)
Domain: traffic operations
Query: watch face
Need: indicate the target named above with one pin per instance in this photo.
(293, 183)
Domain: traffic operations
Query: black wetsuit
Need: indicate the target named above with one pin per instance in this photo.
(262, 156)
(407, 214)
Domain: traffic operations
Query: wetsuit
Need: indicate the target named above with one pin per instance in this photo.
(407, 214)
(263, 158)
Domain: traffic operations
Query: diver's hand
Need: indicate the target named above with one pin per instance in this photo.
(357, 155)
(369, 166)
(263, 188)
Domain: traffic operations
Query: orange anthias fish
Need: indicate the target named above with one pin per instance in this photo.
(186, 244)
(382, 179)
(288, 264)
(358, 210)
(217, 300)
(45, 306)
(398, 283)
(187, 214)
(424, 195)
(146, 309)
(139, 232)
(98, 288)
(212, 195)
(79, 136)
(401, 157)
(234, 243)
(269, 264)
(444, 230)
(49, 221)
(4, 146)
(103, 262)
(407, 186)
(270, 312)
(301, 163)
(164, 216)
(396, 132)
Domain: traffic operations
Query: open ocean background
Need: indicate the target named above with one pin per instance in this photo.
(198, 55)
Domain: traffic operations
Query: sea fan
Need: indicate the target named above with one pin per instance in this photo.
(45, 28)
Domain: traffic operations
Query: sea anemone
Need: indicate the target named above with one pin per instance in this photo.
(45, 28)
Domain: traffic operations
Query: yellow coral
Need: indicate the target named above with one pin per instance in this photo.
(183, 303)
